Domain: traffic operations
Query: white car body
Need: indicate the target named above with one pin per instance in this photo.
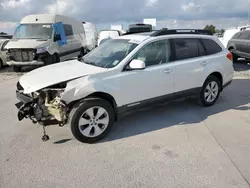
(130, 90)
(21, 43)
(91, 35)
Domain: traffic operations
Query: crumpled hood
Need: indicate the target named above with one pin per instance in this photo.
(25, 43)
(54, 74)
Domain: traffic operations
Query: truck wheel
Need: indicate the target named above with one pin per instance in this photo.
(1, 64)
(210, 91)
(16, 69)
(92, 120)
(82, 53)
(51, 60)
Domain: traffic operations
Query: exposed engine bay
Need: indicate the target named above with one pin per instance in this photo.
(44, 106)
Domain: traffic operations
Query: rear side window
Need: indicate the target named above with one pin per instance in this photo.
(188, 48)
(245, 35)
(211, 46)
(68, 30)
(236, 35)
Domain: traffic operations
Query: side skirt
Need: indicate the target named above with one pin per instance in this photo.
(153, 102)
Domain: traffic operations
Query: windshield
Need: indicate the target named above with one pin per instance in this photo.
(110, 53)
(34, 31)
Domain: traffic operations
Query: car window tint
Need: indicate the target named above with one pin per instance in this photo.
(245, 35)
(236, 35)
(211, 46)
(155, 53)
(68, 30)
(186, 48)
(201, 49)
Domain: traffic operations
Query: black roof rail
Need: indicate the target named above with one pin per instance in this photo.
(166, 31)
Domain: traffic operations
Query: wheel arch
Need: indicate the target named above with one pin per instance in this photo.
(217, 75)
(105, 96)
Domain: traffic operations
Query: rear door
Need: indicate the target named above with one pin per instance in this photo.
(241, 44)
(190, 61)
(246, 45)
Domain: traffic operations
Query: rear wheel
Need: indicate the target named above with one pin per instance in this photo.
(235, 57)
(82, 53)
(1, 64)
(92, 120)
(210, 91)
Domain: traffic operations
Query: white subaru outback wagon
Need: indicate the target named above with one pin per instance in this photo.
(124, 74)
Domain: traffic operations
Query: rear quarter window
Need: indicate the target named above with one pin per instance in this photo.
(211, 46)
(236, 35)
(245, 35)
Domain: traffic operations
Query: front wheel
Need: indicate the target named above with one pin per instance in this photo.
(92, 120)
(210, 91)
(51, 59)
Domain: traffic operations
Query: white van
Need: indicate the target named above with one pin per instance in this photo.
(105, 35)
(45, 39)
(91, 35)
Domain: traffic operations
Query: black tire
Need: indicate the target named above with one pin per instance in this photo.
(1, 64)
(51, 59)
(209, 80)
(79, 110)
(82, 53)
(235, 57)
(16, 69)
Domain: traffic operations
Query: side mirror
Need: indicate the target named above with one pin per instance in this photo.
(57, 37)
(137, 64)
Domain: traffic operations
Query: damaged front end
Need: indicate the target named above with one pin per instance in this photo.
(44, 106)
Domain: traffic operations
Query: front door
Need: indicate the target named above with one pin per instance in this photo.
(155, 82)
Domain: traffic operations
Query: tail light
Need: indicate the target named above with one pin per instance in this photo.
(230, 56)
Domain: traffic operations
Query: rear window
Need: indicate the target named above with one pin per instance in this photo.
(188, 48)
(245, 35)
(211, 46)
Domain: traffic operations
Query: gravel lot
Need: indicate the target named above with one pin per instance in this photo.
(181, 145)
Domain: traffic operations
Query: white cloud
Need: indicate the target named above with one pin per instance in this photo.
(7, 25)
(14, 3)
(191, 7)
(104, 12)
(151, 3)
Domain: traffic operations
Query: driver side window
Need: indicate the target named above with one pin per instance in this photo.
(155, 53)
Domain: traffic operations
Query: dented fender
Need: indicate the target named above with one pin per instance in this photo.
(83, 87)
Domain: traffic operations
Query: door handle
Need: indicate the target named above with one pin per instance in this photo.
(204, 63)
(168, 71)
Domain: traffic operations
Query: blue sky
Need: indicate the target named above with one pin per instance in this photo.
(169, 13)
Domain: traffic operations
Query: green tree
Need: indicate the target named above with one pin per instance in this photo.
(210, 28)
